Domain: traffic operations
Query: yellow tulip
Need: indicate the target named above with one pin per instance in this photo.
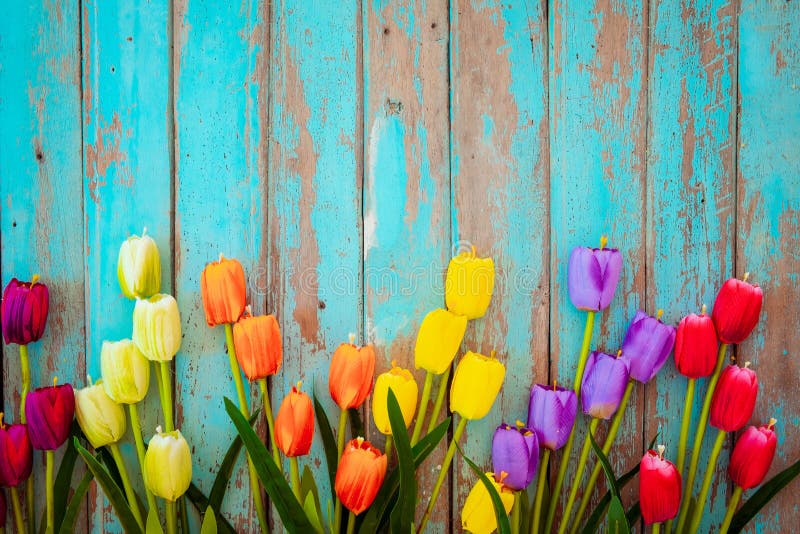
(139, 267)
(100, 418)
(167, 466)
(126, 372)
(439, 337)
(157, 327)
(469, 284)
(402, 383)
(478, 516)
(476, 383)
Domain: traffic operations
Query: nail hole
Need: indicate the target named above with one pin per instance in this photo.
(385, 31)
(322, 305)
(14, 224)
(39, 156)
(433, 25)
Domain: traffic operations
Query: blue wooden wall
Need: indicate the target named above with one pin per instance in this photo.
(345, 150)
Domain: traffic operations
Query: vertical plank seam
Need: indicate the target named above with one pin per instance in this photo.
(266, 145)
(648, 205)
(451, 210)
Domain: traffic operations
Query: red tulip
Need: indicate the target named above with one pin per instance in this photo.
(294, 424)
(659, 487)
(752, 455)
(16, 454)
(696, 345)
(50, 411)
(24, 311)
(360, 475)
(350, 376)
(736, 310)
(734, 399)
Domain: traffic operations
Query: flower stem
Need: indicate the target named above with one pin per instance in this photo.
(276, 455)
(698, 437)
(136, 428)
(734, 502)
(337, 512)
(686, 419)
(537, 502)
(701, 498)
(587, 341)
(437, 407)
(351, 523)
(587, 444)
(17, 506)
(51, 511)
(25, 372)
(172, 517)
(388, 448)
(656, 528)
(515, 513)
(126, 483)
(294, 473)
(423, 408)
(448, 458)
(166, 397)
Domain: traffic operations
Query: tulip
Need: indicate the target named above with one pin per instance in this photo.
(735, 398)
(439, 337)
(359, 475)
(50, 411)
(258, 344)
(696, 346)
(476, 383)
(469, 284)
(101, 419)
(551, 414)
(593, 275)
(126, 372)
(24, 311)
(405, 389)
(167, 465)
(294, 424)
(647, 345)
(157, 327)
(752, 455)
(515, 451)
(659, 487)
(477, 515)
(139, 267)
(16, 454)
(350, 376)
(604, 383)
(736, 310)
(222, 286)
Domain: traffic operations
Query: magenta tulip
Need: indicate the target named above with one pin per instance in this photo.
(659, 487)
(16, 454)
(736, 310)
(752, 455)
(647, 345)
(50, 411)
(24, 311)
(696, 346)
(734, 398)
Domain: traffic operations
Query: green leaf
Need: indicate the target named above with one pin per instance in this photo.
(72, 510)
(112, 491)
(612, 480)
(356, 424)
(503, 524)
(200, 502)
(328, 441)
(153, 522)
(617, 522)
(291, 513)
(402, 516)
(761, 497)
(209, 525)
(308, 488)
(312, 511)
(63, 482)
(217, 494)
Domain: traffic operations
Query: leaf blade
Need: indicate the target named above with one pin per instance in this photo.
(503, 524)
(403, 514)
(761, 497)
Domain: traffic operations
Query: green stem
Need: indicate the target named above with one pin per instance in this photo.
(437, 407)
(136, 428)
(734, 502)
(573, 492)
(515, 513)
(166, 397)
(17, 506)
(388, 448)
(25, 371)
(448, 458)
(51, 511)
(340, 437)
(351, 523)
(172, 517)
(686, 419)
(276, 455)
(537, 502)
(710, 469)
(698, 437)
(587, 341)
(423, 408)
(126, 483)
(612, 435)
(294, 473)
(656, 528)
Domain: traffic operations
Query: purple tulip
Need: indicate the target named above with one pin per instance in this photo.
(604, 382)
(592, 276)
(515, 451)
(647, 345)
(24, 311)
(50, 411)
(551, 414)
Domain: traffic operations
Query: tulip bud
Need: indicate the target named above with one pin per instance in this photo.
(551, 414)
(157, 327)
(16, 454)
(604, 381)
(223, 289)
(258, 344)
(405, 389)
(647, 345)
(439, 337)
(24, 311)
(477, 515)
(736, 310)
(593, 275)
(167, 466)
(139, 267)
(350, 376)
(696, 346)
(659, 487)
(359, 476)
(476, 383)
(126, 372)
(294, 425)
(50, 411)
(469, 284)
(734, 398)
(752, 455)
(515, 451)
(100, 418)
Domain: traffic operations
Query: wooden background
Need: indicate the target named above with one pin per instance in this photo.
(344, 150)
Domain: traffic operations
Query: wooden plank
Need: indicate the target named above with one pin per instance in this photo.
(500, 168)
(315, 256)
(127, 124)
(406, 189)
(768, 226)
(220, 84)
(597, 138)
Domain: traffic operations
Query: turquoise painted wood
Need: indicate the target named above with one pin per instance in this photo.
(344, 151)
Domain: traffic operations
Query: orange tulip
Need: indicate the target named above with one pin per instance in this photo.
(258, 344)
(223, 289)
(360, 475)
(350, 376)
(294, 425)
